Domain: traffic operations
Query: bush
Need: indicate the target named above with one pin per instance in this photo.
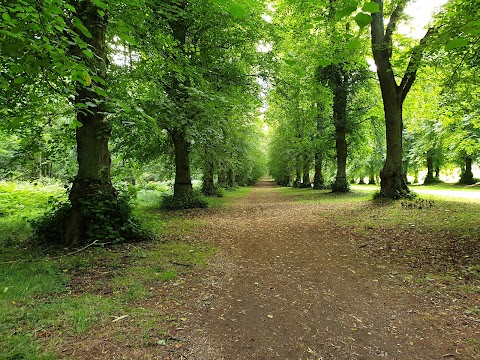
(107, 219)
(192, 201)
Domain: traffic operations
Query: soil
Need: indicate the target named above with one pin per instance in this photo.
(292, 282)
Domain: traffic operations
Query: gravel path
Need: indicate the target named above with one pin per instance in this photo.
(290, 283)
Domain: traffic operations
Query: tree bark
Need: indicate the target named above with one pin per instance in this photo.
(298, 172)
(230, 178)
(429, 178)
(208, 186)
(393, 184)
(340, 95)
(222, 177)
(467, 174)
(92, 137)
(183, 180)
(318, 180)
(306, 173)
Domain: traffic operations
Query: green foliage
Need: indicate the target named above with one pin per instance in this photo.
(192, 201)
(110, 220)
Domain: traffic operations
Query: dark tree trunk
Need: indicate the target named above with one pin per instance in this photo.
(467, 174)
(183, 179)
(298, 173)
(437, 172)
(306, 173)
(340, 121)
(208, 186)
(222, 178)
(318, 180)
(230, 178)
(93, 155)
(393, 184)
(429, 179)
(371, 179)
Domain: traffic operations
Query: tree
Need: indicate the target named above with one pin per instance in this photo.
(393, 183)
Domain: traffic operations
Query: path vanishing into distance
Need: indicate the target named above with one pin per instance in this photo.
(292, 282)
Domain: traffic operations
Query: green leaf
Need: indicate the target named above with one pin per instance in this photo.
(19, 80)
(6, 17)
(79, 25)
(354, 44)
(88, 53)
(371, 7)
(75, 124)
(100, 4)
(237, 11)
(456, 44)
(345, 12)
(324, 62)
(363, 19)
(124, 106)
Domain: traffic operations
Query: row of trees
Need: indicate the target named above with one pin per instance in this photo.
(321, 53)
(166, 84)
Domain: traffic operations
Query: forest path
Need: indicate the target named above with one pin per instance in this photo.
(291, 283)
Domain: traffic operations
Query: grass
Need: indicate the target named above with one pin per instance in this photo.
(43, 298)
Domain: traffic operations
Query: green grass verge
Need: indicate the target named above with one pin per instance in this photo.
(44, 298)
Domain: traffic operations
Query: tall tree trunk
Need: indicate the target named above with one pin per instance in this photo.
(222, 177)
(437, 172)
(318, 180)
(208, 185)
(393, 184)
(340, 121)
(298, 172)
(230, 178)
(429, 178)
(306, 173)
(183, 180)
(93, 155)
(467, 174)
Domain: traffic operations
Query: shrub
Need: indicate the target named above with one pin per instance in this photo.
(192, 201)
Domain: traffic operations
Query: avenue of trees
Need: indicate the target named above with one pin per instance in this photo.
(334, 113)
(97, 92)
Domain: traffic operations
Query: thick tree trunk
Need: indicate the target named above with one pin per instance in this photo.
(467, 174)
(208, 186)
(318, 180)
(183, 180)
(393, 184)
(437, 172)
(306, 173)
(93, 177)
(298, 173)
(429, 178)
(340, 121)
(371, 179)
(230, 178)
(222, 178)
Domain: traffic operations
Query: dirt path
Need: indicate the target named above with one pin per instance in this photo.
(290, 283)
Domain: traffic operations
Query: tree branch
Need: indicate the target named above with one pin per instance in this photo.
(414, 64)
(394, 19)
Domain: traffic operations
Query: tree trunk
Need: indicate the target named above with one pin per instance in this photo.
(230, 178)
(93, 156)
(371, 179)
(318, 180)
(340, 121)
(298, 173)
(393, 184)
(208, 186)
(429, 179)
(222, 178)
(183, 180)
(306, 173)
(467, 174)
